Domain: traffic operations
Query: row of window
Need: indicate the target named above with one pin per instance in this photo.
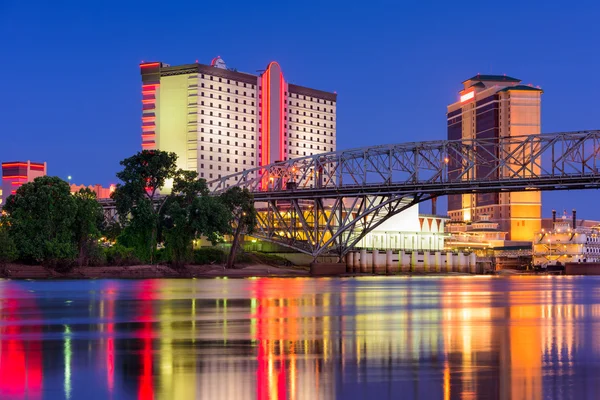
(228, 108)
(227, 117)
(220, 89)
(228, 134)
(210, 95)
(228, 125)
(235, 160)
(237, 83)
(311, 114)
(310, 123)
(311, 146)
(324, 141)
(315, 99)
(228, 160)
(330, 110)
(227, 143)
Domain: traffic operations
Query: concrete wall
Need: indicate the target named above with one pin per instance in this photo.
(394, 262)
(582, 269)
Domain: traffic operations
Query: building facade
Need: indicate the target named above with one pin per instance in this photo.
(101, 192)
(493, 106)
(220, 121)
(409, 231)
(17, 173)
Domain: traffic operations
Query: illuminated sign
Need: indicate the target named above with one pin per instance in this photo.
(467, 96)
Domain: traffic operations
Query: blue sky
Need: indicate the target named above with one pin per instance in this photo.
(71, 87)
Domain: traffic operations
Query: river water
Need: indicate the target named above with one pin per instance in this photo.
(266, 338)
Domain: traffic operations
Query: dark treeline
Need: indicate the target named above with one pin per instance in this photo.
(43, 223)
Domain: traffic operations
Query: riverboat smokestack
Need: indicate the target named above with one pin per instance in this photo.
(553, 219)
(574, 219)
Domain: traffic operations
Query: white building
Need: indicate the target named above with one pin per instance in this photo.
(220, 121)
(407, 231)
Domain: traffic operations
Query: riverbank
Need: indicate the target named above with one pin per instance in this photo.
(19, 271)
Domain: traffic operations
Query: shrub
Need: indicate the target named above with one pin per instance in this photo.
(8, 249)
(208, 255)
(59, 255)
(162, 256)
(96, 256)
(119, 255)
(272, 259)
(243, 258)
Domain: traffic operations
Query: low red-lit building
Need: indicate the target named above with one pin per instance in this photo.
(17, 173)
(101, 192)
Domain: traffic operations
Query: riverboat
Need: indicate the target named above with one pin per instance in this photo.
(566, 243)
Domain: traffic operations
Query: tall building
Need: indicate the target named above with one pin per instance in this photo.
(220, 121)
(17, 173)
(493, 106)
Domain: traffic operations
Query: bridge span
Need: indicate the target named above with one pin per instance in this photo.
(326, 203)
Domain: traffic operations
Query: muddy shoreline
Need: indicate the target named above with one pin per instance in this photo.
(19, 271)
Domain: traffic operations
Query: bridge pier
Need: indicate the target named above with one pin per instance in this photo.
(449, 259)
(462, 264)
(363, 261)
(473, 263)
(350, 262)
(403, 262)
(388, 262)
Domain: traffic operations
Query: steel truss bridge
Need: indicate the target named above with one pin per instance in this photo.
(326, 203)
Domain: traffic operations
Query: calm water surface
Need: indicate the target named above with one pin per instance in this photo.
(426, 338)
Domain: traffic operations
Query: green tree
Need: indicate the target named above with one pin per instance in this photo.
(41, 218)
(8, 249)
(111, 230)
(86, 226)
(138, 198)
(240, 203)
(190, 212)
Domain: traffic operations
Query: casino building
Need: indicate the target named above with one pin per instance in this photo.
(492, 106)
(220, 121)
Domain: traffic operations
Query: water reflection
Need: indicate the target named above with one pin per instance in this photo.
(447, 338)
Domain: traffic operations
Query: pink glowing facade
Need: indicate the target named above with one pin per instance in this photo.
(17, 173)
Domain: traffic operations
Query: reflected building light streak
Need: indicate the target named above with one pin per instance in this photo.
(110, 335)
(21, 362)
(67, 361)
(301, 341)
(447, 389)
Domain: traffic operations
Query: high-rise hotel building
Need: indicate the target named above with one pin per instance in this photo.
(492, 106)
(220, 121)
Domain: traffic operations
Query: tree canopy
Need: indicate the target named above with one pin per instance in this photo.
(190, 212)
(50, 226)
(142, 177)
